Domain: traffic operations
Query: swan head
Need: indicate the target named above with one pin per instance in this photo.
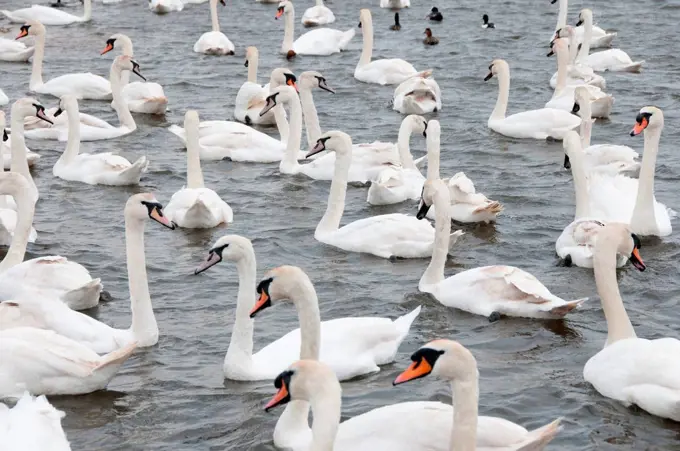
(282, 94)
(417, 124)
(282, 76)
(447, 359)
(581, 97)
(335, 140)
(431, 189)
(280, 284)
(123, 62)
(28, 106)
(31, 28)
(649, 117)
(121, 38)
(571, 144)
(304, 380)
(558, 46)
(432, 133)
(628, 243)
(67, 102)
(191, 119)
(497, 67)
(144, 205)
(365, 17)
(312, 79)
(230, 247)
(251, 55)
(585, 16)
(284, 7)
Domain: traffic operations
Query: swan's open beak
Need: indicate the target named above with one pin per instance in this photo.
(416, 370)
(107, 49)
(422, 211)
(22, 33)
(212, 259)
(279, 12)
(319, 147)
(281, 397)
(639, 126)
(261, 304)
(488, 77)
(40, 113)
(636, 260)
(156, 214)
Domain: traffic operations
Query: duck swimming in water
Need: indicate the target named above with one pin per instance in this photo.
(430, 40)
(435, 15)
(486, 23)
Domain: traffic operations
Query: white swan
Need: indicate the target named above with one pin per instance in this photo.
(629, 369)
(165, 6)
(33, 424)
(141, 96)
(420, 425)
(576, 243)
(93, 168)
(419, 94)
(43, 362)
(13, 51)
(613, 59)
(398, 184)
(467, 205)
(251, 96)
(214, 42)
(6, 144)
(317, 15)
(89, 332)
(563, 97)
(386, 236)
(60, 131)
(47, 15)
(384, 71)
(490, 291)
(81, 85)
(536, 124)
(577, 74)
(599, 38)
(609, 158)
(195, 206)
(4, 100)
(321, 41)
(238, 142)
(395, 4)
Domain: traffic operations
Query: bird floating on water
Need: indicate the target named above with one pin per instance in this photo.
(430, 40)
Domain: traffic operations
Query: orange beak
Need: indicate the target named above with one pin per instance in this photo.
(261, 304)
(636, 253)
(278, 398)
(414, 371)
(293, 84)
(107, 49)
(158, 217)
(279, 12)
(638, 128)
(22, 33)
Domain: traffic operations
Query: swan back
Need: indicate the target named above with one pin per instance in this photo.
(33, 424)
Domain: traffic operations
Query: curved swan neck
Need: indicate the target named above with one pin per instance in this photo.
(573, 49)
(330, 222)
(241, 345)
(38, 56)
(562, 63)
(289, 162)
(644, 202)
(503, 94)
(604, 264)
(19, 162)
(253, 62)
(127, 50)
(73, 143)
(587, 36)
(194, 172)
(311, 116)
(120, 104)
(562, 14)
(578, 173)
(289, 30)
(465, 407)
(586, 126)
(326, 409)
(367, 49)
(404, 145)
(307, 305)
(442, 223)
(144, 327)
(25, 211)
(213, 16)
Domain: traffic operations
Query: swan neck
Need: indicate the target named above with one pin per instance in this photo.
(120, 104)
(36, 69)
(442, 230)
(213, 16)
(604, 264)
(644, 202)
(144, 327)
(19, 161)
(194, 173)
(330, 222)
(587, 36)
(289, 162)
(87, 14)
(319, 2)
(252, 68)
(367, 49)
(404, 145)
(25, 211)
(586, 127)
(503, 94)
(241, 345)
(281, 122)
(573, 49)
(127, 50)
(289, 31)
(465, 406)
(578, 173)
(311, 116)
(326, 409)
(562, 14)
(73, 143)
(562, 64)
(433, 150)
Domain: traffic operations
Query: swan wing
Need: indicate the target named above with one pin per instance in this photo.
(322, 41)
(213, 42)
(318, 15)
(44, 14)
(46, 273)
(385, 71)
(81, 85)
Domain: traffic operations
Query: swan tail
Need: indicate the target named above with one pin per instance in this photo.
(113, 360)
(161, 100)
(493, 207)
(562, 310)
(634, 67)
(539, 438)
(21, 56)
(134, 172)
(84, 297)
(403, 323)
(178, 132)
(346, 37)
(453, 238)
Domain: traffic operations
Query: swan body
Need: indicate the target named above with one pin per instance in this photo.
(252, 96)
(318, 14)
(13, 51)
(629, 369)
(214, 42)
(577, 74)
(165, 6)
(44, 313)
(6, 145)
(533, 124)
(97, 168)
(196, 207)
(386, 236)
(418, 95)
(321, 41)
(4, 100)
(141, 97)
(599, 38)
(384, 71)
(46, 363)
(395, 4)
(487, 290)
(33, 424)
(47, 15)
(613, 59)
